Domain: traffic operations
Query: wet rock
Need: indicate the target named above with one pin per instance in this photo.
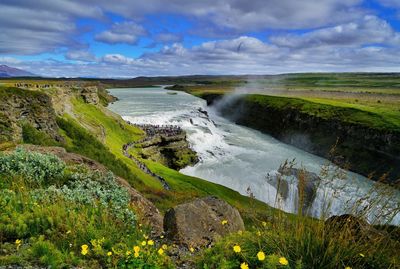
(306, 184)
(199, 223)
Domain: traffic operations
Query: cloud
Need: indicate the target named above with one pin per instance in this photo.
(9, 60)
(117, 59)
(23, 31)
(244, 15)
(368, 30)
(125, 32)
(36, 26)
(390, 3)
(337, 36)
(80, 55)
(167, 37)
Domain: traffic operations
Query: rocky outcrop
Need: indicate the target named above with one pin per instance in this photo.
(166, 145)
(367, 150)
(90, 95)
(18, 107)
(201, 222)
(147, 212)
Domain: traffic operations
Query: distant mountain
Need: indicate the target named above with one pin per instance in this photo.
(6, 71)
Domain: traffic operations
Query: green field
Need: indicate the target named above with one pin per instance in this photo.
(373, 99)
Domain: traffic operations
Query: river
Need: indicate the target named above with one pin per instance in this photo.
(244, 159)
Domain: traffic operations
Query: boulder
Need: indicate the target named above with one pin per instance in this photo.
(90, 95)
(200, 223)
(350, 227)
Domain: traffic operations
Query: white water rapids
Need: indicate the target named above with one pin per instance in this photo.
(240, 158)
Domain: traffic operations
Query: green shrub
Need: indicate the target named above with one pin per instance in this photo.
(47, 253)
(94, 189)
(34, 167)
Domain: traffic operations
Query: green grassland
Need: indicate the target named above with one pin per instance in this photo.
(372, 99)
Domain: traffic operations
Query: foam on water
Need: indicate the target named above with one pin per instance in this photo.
(236, 156)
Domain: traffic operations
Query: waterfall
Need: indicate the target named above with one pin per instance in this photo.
(241, 158)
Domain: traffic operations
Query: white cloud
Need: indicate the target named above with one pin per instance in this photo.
(36, 26)
(247, 15)
(80, 55)
(9, 60)
(368, 30)
(390, 3)
(167, 37)
(342, 37)
(126, 32)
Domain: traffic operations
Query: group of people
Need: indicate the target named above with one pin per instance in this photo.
(43, 86)
(165, 130)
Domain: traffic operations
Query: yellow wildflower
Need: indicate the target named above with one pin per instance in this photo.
(164, 247)
(128, 253)
(161, 236)
(261, 256)
(244, 266)
(362, 255)
(150, 242)
(236, 248)
(191, 249)
(283, 261)
(136, 248)
(85, 249)
(161, 251)
(136, 254)
(18, 243)
(109, 253)
(347, 267)
(144, 243)
(224, 222)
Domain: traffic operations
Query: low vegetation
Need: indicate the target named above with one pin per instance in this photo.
(62, 216)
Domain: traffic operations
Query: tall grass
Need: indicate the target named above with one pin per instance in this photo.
(348, 241)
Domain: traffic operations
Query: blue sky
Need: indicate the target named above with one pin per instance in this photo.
(178, 37)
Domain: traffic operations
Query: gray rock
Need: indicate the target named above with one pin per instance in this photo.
(199, 223)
